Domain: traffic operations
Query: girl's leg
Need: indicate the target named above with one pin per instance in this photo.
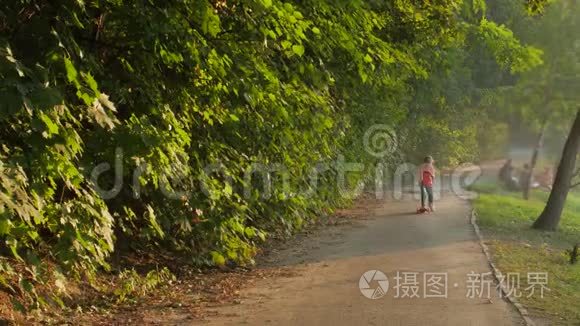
(423, 189)
(430, 194)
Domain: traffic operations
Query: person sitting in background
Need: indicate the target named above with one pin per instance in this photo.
(506, 176)
(546, 178)
(527, 179)
(505, 173)
(525, 176)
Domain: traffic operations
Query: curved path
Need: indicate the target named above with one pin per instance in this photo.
(323, 288)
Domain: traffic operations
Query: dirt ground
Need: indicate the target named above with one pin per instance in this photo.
(314, 278)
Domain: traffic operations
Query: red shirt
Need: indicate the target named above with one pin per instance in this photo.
(427, 174)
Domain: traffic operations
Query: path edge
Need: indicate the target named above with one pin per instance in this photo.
(497, 273)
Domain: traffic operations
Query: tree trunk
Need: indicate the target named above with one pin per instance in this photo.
(533, 162)
(552, 213)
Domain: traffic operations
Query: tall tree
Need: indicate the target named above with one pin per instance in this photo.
(534, 160)
(550, 217)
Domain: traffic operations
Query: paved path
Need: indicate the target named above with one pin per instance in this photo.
(324, 288)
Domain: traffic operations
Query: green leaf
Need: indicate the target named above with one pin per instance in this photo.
(327, 122)
(298, 49)
(217, 258)
(153, 221)
(5, 226)
(250, 232)
(267, 3)
(368, 58)
(52, 127)
(17, 305)
(228, 190)
(282, 111)
(91, 82)
(71, 72)
(211, 22)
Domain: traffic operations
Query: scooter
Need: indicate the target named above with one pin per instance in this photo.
(422, 210)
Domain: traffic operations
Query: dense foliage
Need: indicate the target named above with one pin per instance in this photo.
(187, 95)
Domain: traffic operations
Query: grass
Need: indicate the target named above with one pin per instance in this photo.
(506, 219)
